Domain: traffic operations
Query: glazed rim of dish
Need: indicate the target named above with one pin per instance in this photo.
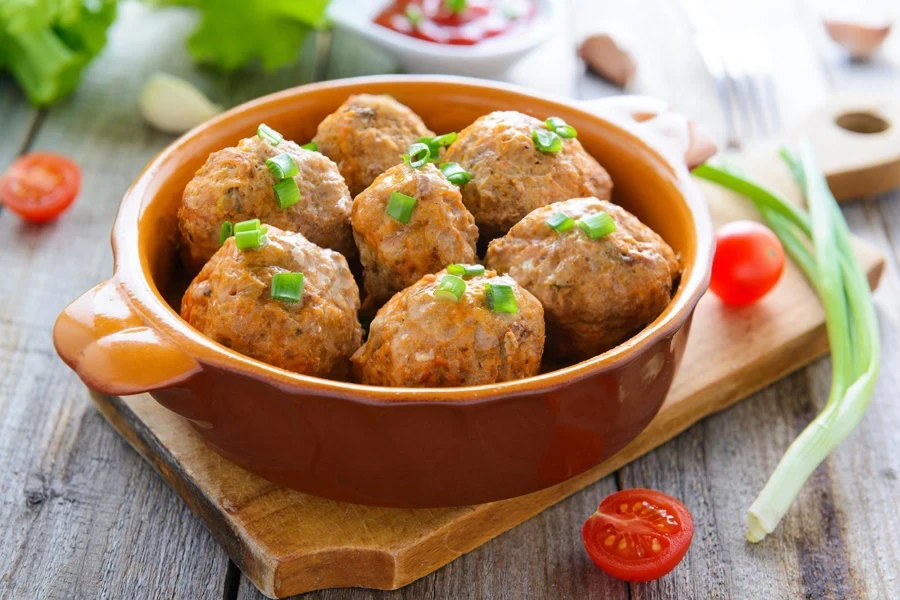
(132, 268)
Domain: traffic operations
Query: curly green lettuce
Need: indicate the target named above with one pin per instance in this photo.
(233, 33)
(46, 44)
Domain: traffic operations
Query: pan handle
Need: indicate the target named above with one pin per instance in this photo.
(682, 141)
(110, 347)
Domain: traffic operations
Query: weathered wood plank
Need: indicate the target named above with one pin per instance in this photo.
(17, 120)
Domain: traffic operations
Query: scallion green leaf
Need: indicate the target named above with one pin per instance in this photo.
(561, 128)
(455, 173)
(456, 6)
(287, 287)
(597, 225)
(268, 134)
(501, 298)
(560, 223)
(282, 166)
(249, 235)
(400, 206)
(419, 154)
(465, 270)
(546, 140)
(226, 231)
(287, 193)
(450, 288)
(312, 146)
(252, 224)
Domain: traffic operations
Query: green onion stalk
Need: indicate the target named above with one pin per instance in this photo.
(819, 242)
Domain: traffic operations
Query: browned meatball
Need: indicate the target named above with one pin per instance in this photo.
(368, 135)
(417, 340)
(511, 177)
(235, 185)
(395, 255)
(230, 302)
(596, 293)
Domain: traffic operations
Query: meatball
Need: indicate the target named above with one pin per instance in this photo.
(417, 340)
(368, 135)
(394, 254)
(230, 302)
(596, 293)
(511, 177)
(235, 185)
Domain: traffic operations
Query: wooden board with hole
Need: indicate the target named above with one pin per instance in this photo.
(287, 542)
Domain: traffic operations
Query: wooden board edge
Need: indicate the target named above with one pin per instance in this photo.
(144, 441)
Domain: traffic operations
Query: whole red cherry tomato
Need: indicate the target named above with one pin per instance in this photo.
(638, 534)
(748, 263)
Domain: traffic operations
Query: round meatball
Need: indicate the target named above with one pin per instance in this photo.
(368, 135)
(394, 254)
(235, 185)
(596, 293)
(231, 302)
(417, 340)
(511, 177)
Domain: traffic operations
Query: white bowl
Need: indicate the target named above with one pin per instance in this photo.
(492, 56)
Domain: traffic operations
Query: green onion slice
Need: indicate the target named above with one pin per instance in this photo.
(268, 134)
(282, 166)
(455, 173)
(436, 143)
(419, 153)
(249, 234)
(560, 223)
(456, 6)
(450, 288)
(225, 232)
(465, 270)
(597, 225)
(561, 128)
(445, 140)
(501, 298)
(546, 140)
(287, 286)
(400, 206)
(311, 146)
(287, 193)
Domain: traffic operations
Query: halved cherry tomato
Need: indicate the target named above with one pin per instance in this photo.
(39, 186)
(748, 263)
(638, 534)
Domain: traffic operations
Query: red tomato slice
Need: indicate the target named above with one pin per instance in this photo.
(638, 534)
(39, 186)
(748, 263)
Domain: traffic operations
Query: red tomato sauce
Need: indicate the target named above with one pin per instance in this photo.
(436, 21)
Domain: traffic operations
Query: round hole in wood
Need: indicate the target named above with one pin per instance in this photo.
(862, 122)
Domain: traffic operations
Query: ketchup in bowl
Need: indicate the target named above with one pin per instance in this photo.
(457, 22)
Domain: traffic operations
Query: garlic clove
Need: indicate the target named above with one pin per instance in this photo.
(609, 58)
(859, 39)
(172, 105)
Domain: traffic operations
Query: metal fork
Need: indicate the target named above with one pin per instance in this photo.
(741, 66)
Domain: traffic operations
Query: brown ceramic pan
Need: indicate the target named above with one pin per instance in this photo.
(392, 446)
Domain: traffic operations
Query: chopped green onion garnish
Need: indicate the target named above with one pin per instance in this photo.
(597, 225)
(561, 128)
(501, 298)
(436, 143)
(249, 234)
(560, 223)
(252, 224)
(419, 154)
(287, 192)
(465, 270)
(451, 288)
(287, 287)
(282, 166)
(546, 140)
(225, 232)
(456, 6)
(413, 15)
(455, 173)
(311, 146)
(400, 206)
(268, 134)
(445, 140)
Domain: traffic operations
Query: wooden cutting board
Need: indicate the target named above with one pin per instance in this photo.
(288, 543)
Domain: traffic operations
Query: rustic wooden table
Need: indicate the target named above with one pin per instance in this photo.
(81, 516)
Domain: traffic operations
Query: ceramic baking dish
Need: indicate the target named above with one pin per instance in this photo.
(392, 446)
